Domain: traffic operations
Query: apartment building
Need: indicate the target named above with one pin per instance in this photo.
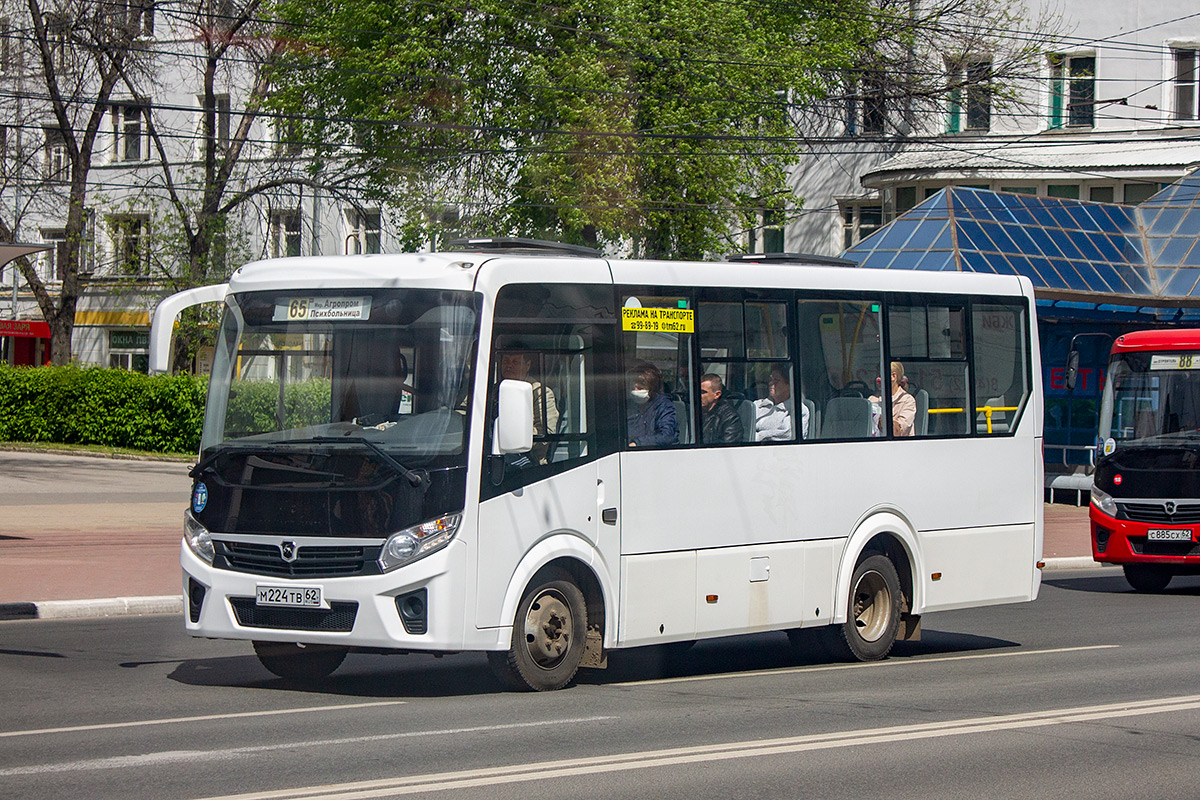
(1111, 116)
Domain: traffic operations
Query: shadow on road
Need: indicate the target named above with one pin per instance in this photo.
(464, 674)
(1183, 585)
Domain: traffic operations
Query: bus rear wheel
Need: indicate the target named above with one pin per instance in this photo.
(549, 636)
(1148, 577)
(873, 614)
(303, 662)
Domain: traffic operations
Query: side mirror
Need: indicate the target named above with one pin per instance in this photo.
(1072, 369)
(514, 422)
(165, 315)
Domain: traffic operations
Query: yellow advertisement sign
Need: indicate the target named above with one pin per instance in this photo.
(671, 320)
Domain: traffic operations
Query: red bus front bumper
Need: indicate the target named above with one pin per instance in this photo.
(1118, 541)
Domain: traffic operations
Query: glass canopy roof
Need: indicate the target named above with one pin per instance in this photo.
(1071, 250)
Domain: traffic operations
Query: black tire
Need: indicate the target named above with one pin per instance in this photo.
(302, 662)
(1148, 577)
(549, 636)
(872, 615)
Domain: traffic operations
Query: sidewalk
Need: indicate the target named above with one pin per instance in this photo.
(74, 528)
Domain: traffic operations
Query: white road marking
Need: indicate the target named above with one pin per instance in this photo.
(176, 720)
(891, 662)
(196, 756)
(559, 770)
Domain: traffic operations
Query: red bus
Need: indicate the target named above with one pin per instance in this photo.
(1145, 509)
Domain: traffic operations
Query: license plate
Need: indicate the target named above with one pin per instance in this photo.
(1169, 534)
(289, 596)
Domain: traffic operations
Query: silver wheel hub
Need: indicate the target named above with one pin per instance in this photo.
(548, 628)
(871, 606)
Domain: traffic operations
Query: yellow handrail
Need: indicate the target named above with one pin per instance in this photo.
(987, 412)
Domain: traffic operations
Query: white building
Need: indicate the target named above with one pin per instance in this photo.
(1112, 117)
(134, 241)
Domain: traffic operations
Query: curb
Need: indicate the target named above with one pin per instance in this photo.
(1073, 562)
(9, 447)
(81, 609)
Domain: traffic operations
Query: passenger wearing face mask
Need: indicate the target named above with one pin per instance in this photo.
(651, 413)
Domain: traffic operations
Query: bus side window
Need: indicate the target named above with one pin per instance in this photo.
(660, 391)
(843, 358)
(1001, 366)
(928, 341)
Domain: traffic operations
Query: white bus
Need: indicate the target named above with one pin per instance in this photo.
(519, 448)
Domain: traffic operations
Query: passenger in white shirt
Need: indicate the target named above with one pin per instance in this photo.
(773, 416)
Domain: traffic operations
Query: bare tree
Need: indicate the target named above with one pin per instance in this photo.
(77, 52)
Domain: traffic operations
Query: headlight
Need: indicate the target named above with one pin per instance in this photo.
(198, 538)
(418, 541)
(1104, 501)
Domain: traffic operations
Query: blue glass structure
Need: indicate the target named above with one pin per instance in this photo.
(1134, 256)
(1095, 267)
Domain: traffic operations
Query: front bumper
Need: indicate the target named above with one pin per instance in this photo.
(1117, 541)
(364, 614)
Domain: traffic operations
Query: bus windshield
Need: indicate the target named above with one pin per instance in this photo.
(1151, 399)
(386, 368)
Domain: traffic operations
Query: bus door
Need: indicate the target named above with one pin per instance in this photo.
(564, 494)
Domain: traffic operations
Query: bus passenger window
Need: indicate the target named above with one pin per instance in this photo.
(775, 414)
(660, 387)
(1001, 366)
(653, 419)
(842, 356)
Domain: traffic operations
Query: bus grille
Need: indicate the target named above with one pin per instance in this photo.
(312, 561)
(1156, 512)
(338, 618)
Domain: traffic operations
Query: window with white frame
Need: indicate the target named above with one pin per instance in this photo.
(53, 263)
(1072, 90)
(135, 17)
(285, 234)
(7, 43)
(58, 34)
(130, 235)
(768, 236)
(131, 133)
(1185, 104)
(58, 159)
(366, 232)
(860, 218)
(218, 107)
(970, 95)
(288, 141)
(865, 111)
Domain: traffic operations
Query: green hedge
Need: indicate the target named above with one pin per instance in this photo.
(253, 405)
(110, 407)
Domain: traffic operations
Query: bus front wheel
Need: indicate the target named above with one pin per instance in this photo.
(873, 614)
(1147, 577)
(549, 636)
(304, 662)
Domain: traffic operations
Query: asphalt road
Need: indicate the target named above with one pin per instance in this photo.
(1092, 691)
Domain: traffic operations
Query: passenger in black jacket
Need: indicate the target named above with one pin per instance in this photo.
(722, 425)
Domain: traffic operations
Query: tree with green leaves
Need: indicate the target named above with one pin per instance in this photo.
(655, 124)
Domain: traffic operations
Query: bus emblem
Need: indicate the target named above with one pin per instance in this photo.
(288, 551)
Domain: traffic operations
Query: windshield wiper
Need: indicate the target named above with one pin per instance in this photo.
(414, 477)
